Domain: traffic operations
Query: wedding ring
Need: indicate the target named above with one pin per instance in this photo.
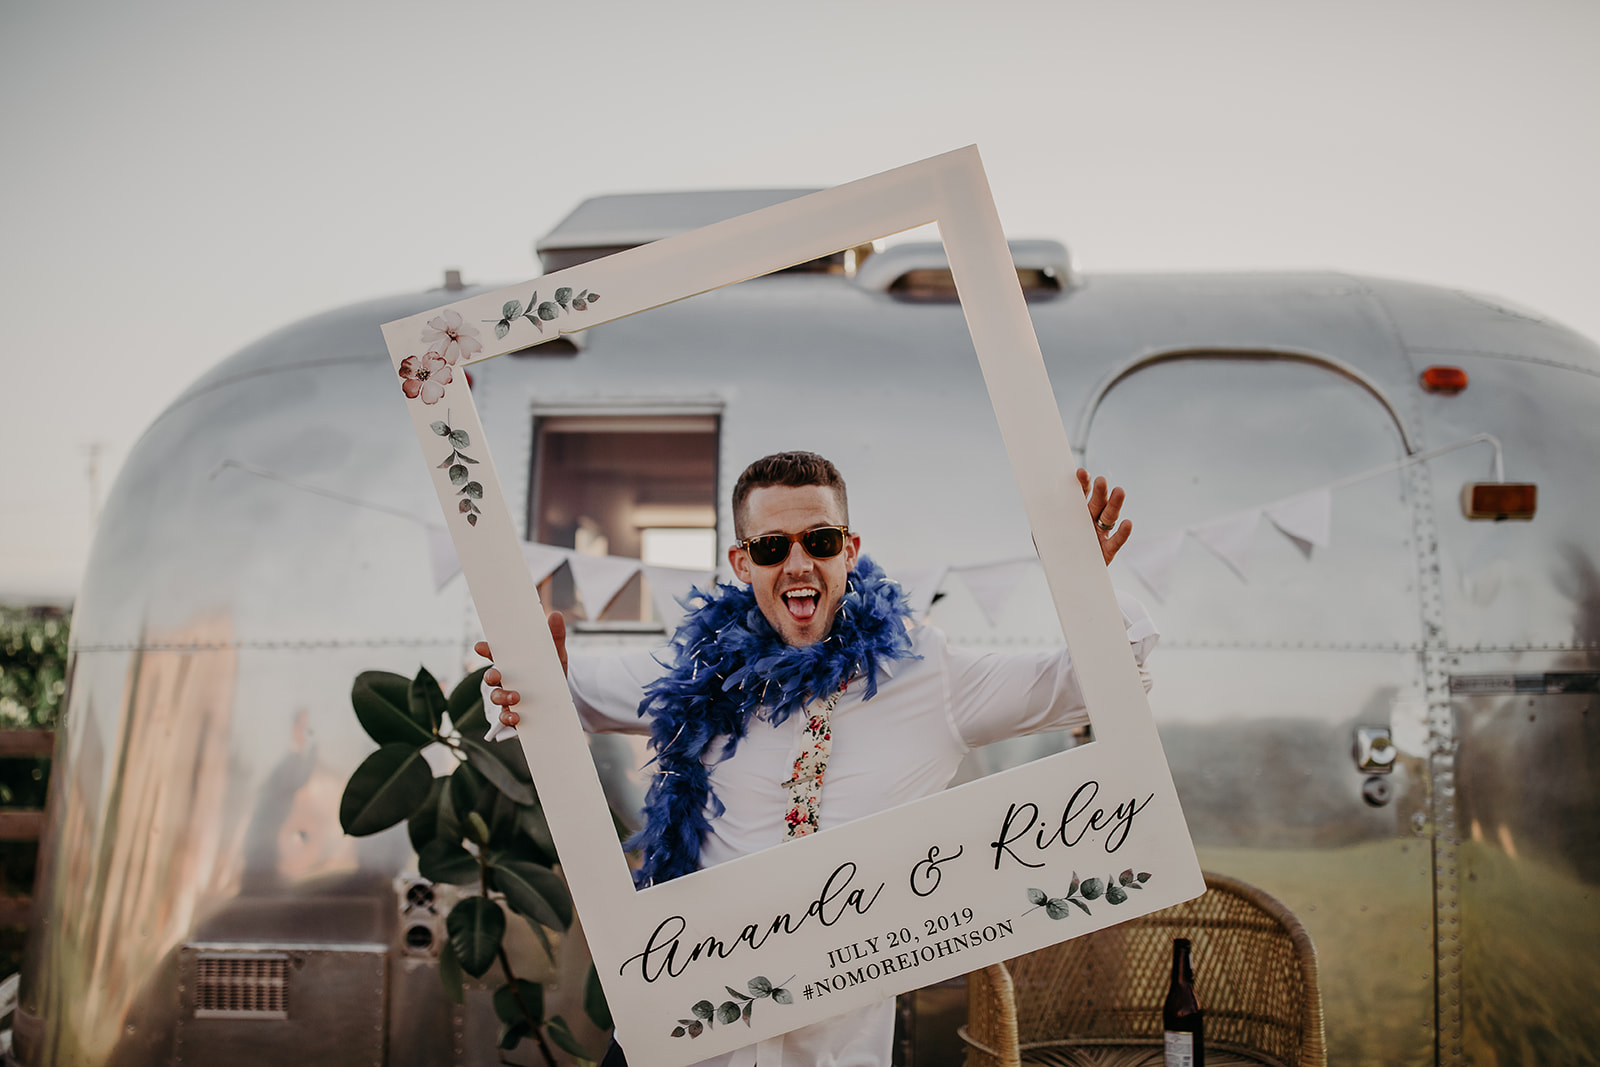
(1103, 527)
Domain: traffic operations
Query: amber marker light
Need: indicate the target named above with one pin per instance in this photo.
(1441, 379)
(1499, 501)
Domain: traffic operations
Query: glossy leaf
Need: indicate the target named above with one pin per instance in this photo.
(382, 701)
(450, 972)
(466, 786)
(594, 1001)
(423, 825)
(489, 764)
(448, 826)
(509, 1011)
(389, 785)
(531, 821)
(477, 828)
(426, 701)
(534, 891)
(447, 862)
(465, 704)
(511, 1034)
(476, 925)
(562, 1035)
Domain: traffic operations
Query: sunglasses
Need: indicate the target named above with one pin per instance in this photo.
(823, 542)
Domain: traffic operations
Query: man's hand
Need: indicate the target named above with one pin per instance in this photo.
(1103, 509)
(508, 698)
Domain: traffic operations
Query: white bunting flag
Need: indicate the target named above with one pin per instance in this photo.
(1154, 561)
(1306, 519)
(921, 585)
(670, 584)
(599, 579)
(992, 583)
(1230, 538)
(542, 560)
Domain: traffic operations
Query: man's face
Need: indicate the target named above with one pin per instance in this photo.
(800, 595)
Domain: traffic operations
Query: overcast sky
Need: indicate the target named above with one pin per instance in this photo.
(180, 179)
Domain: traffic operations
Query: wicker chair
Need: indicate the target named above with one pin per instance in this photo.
(1096, 1000)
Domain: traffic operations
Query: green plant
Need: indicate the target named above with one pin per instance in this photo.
(481, 824)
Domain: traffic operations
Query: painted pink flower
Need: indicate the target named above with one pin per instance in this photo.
(448, 337)
(425, 376)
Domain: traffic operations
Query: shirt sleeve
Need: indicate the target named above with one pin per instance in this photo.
(607, 691)
(998, 695)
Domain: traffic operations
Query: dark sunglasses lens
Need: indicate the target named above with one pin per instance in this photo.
(765, 551)
(824, 543)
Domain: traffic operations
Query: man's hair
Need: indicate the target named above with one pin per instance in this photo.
(791, 469)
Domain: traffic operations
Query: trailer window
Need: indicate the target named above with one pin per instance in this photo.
(641, 487)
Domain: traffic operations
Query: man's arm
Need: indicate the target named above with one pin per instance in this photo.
(605, 690)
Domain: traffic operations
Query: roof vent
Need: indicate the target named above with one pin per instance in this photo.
(920, 272)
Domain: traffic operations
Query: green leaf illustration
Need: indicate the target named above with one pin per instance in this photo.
(593, 297)
(703, 1009)
(563, 294)
(472, 520)
(1038, 897)
(459, 438)
(782, 996)
(389, 785)
(759, 986)
(464, 507)
(534, 318)
(1057, 909)
(458, 474)
(1080, 904)
(473, 490)
(735, 992)
(511, 309)
(476, 925)
(748, 1004)
(465, 458)
(1126, 877)
(1116, 894)
(728, 1012)
(440, 428)
(1092, 888)
(548, 310)
(501, 328)
(578, 304)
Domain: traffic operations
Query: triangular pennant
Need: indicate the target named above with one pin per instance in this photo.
(668, 585)
(1154, 562)
(921, 585)
(992, 583)
(599, 578)
(442, 556)
(542, 560)
(1230, 537)
(1306, 519)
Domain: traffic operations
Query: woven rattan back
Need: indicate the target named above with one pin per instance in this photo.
(1255, 972)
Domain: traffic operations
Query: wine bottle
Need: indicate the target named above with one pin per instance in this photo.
(1181, 1016)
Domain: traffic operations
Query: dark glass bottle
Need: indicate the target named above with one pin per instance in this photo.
(1181, 1016)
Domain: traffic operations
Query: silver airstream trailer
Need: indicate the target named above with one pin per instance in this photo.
(1389, 720)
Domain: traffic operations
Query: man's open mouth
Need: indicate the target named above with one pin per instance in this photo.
(801, 602)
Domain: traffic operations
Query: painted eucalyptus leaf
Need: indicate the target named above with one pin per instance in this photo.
(389, 785)
(511, 309)
(476, 926)
(563, 294)
(458, 474)
(548, 310)
(440, 428)
(501, 328)
(459, 438)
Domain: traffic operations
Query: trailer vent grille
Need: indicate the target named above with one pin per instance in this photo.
(239, 986)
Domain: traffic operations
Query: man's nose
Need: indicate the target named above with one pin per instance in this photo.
(798, 559)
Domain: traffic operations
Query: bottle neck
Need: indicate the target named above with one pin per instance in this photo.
(1182, 967)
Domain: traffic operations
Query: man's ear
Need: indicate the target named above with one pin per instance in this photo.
(739, 560)
(852, 551)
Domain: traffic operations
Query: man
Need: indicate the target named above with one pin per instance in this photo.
(808, 699)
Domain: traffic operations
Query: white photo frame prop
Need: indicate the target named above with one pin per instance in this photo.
(904, 898)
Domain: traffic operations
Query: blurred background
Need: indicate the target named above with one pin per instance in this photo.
(182, 178)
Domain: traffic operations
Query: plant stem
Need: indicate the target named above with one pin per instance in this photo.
(538, 1024)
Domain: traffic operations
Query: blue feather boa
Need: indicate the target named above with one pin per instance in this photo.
(732, 665)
